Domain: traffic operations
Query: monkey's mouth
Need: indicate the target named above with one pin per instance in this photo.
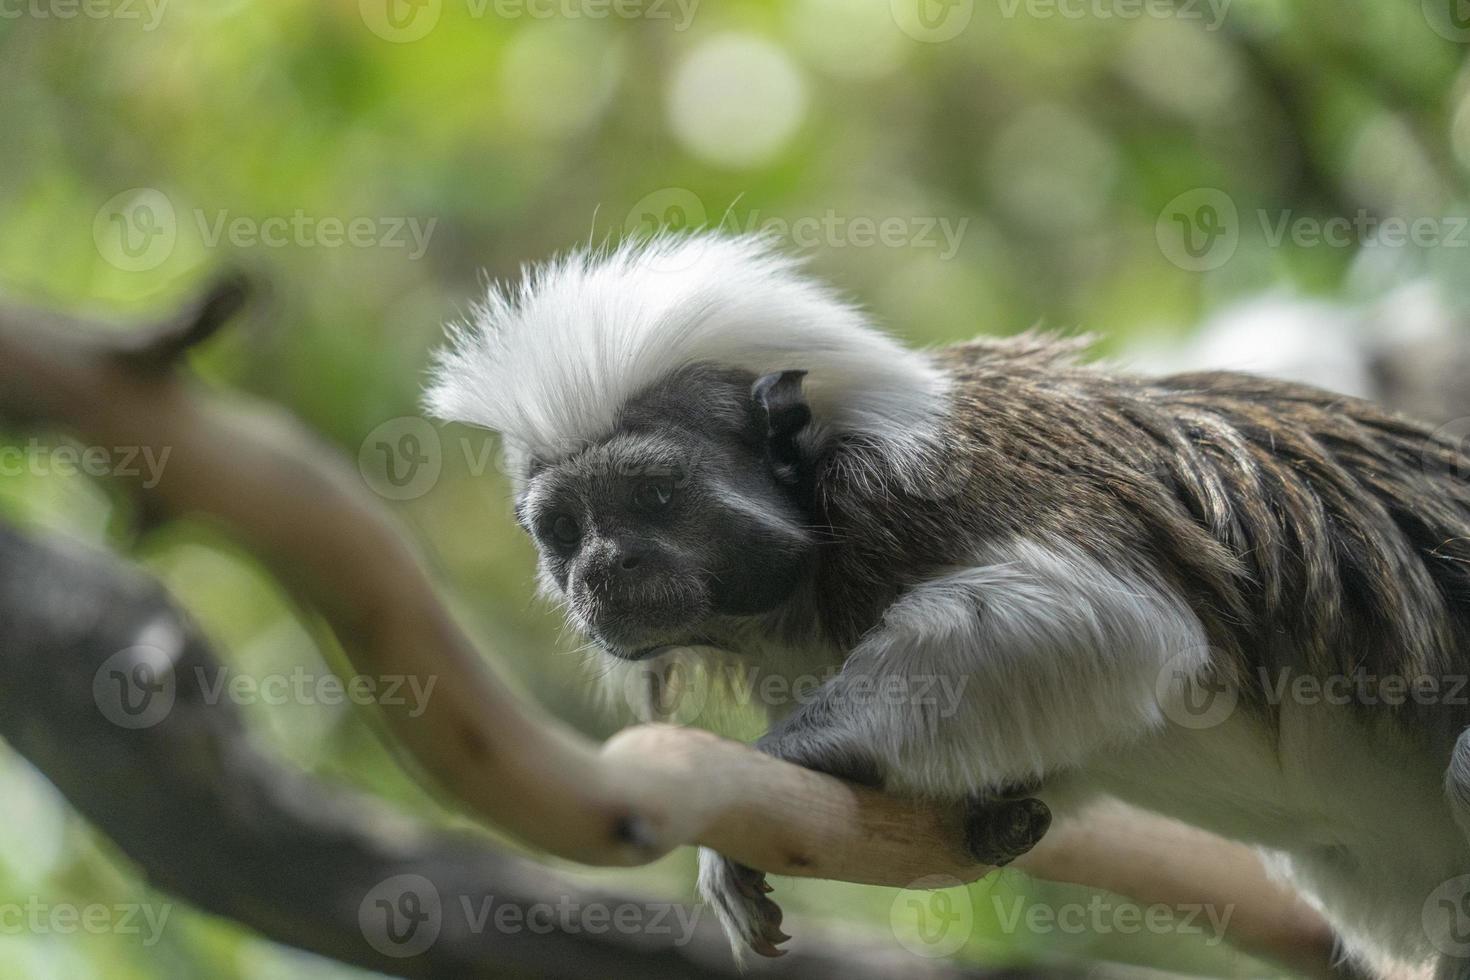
(651, 650)
(646, 630)
(643, 623)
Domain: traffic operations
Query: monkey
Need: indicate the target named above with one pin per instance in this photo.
(1132, 582)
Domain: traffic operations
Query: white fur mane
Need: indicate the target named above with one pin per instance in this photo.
(550, 362)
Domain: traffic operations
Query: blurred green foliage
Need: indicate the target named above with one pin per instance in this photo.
(1016, 172)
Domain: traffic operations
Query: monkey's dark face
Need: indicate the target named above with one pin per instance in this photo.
(685, 518)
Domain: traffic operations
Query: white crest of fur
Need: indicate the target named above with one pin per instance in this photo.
(550, 362)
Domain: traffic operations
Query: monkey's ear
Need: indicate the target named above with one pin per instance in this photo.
(782, 412)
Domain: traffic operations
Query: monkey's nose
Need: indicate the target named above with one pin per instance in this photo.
(619, 565)
(629, 555)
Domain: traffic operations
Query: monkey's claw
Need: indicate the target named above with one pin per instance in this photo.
(738, 896)
(998, 832)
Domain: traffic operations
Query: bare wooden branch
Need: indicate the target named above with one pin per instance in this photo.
(162, 345)
(290, 500)
(214, 820)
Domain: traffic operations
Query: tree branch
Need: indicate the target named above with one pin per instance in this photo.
(288, 498)
(211, 819)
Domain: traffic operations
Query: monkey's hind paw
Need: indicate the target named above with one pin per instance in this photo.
(999, 831)
(738, 896)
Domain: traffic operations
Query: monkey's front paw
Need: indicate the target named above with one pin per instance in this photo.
(738, 896)
(999, 831)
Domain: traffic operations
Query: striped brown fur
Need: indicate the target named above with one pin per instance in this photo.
(1310, 531)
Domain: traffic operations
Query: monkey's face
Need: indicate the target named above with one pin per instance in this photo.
(676, 525)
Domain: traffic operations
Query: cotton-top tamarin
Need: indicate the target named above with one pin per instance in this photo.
(1133, 584)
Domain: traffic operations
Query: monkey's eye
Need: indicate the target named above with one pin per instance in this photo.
(653, 494)
(565, 531)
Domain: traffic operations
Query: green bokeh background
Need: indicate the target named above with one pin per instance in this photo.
(1050, 138)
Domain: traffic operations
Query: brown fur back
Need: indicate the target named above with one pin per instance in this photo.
(1311, 532)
